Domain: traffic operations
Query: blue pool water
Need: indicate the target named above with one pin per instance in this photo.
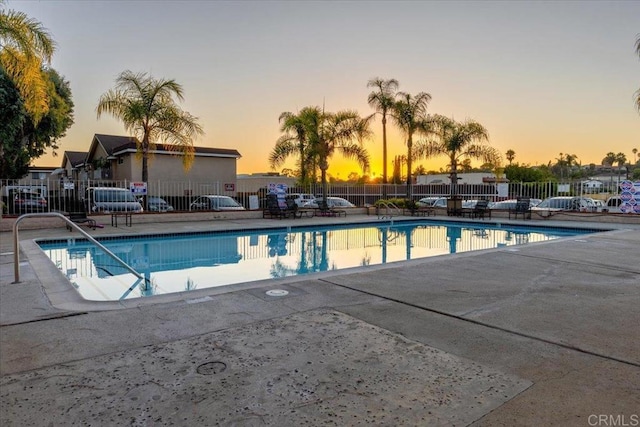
(182, 262)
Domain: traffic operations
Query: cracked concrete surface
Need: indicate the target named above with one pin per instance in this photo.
(319, 367)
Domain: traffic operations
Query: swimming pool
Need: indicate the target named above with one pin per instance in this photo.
(174, 263)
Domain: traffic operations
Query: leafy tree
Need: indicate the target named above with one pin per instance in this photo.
(420, 170)
(22, 137)
(147, 109)
(382, 100)
(510, 154)
(410, 115)
(25, 46)
(398, 163)
(609, 159)
(291, 173)
(294, 141)
(517, 173)
(457, 141)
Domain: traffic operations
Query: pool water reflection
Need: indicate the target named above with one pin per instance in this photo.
(183, 262)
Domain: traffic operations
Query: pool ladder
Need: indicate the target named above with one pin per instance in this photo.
(16, 249)
(389, 210)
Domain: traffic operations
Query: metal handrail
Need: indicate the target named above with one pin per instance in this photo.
(387, 206)
(16, 251)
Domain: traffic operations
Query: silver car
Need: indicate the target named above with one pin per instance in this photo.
(213, 202)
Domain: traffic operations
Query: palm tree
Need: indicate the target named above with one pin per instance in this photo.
(382, 100)
(330, 132)
(410, 115)
(621, 159)
(635, 155)
(147, 109)
(25, 46)
(294, 141)
(457, 140)
(609, 159)
(510, 156)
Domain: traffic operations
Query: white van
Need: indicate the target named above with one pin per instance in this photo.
(110, 199)
(613, 205)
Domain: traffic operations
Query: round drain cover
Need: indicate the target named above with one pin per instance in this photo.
(211, 368)
(277, 293)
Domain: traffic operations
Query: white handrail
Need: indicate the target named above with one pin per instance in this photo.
(16, 251)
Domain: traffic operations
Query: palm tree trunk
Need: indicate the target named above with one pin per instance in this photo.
(384, 150)
(409, 158)
(454, 177)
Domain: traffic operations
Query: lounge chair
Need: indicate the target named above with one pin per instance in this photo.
(81, 218)
(416, 210)
(479, 210)
(275, 210)
(325, 210)
(522, 207)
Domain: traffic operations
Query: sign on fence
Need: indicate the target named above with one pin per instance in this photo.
(630, 196)
(138, 188)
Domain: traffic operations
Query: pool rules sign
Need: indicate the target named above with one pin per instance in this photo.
(138, 188)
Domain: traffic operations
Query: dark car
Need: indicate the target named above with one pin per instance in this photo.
(29, 202)
(158, 204)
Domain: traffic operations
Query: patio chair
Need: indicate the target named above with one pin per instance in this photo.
(480, 209)
(81, 218)
(416, 210)
(273, 208)
(325, 210)
(522, 207)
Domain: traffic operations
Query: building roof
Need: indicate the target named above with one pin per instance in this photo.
(116, 145)
(75, 158)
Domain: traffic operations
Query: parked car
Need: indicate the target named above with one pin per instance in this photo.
(111, 199)
(566, 203)
(29, 202)
(511, 204)
(504, 204)
(612, 205)
(432, 202)
(212, 202)
(301, 199)
(158, 204)
(332, 202)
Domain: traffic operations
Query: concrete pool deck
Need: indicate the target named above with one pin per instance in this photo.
(545, 334)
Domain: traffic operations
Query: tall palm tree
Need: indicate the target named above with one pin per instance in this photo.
(294, 141)
(382, 100)
(635, 155)
(25, 46)
(343, 132)
(458, 140)
(148, 111)
(510, 155)
(621, 159)
(410, 115)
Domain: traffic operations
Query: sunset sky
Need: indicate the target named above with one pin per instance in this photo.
(542, 77)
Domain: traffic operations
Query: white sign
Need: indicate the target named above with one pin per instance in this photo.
(138, 188)
(68, 185)
(503, 190)
(253, 202)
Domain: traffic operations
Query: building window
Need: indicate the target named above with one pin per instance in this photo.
(120, 160)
